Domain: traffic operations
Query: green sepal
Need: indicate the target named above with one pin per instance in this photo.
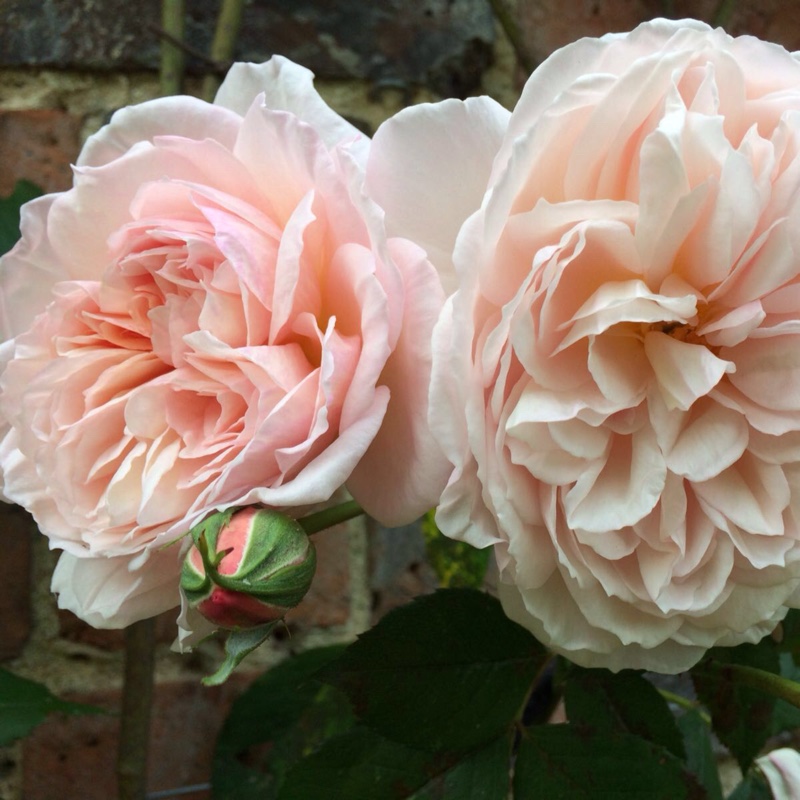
(239, 644)
(267, 571)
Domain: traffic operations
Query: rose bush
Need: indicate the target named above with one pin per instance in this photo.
(625, 338)
(211, 316)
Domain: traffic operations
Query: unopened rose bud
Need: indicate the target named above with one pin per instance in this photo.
(248, 567)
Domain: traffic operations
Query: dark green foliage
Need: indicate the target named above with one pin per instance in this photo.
(741, 716)
(24, 704)
(448, 671)
(281, 718)
(572, 762)
(457, 564)
(623, 703)
(9, 212)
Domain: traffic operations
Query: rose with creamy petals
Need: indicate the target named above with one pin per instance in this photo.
(211, 316)
(781, 768)
(625, 338)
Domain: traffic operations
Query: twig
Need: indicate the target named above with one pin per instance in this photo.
(229, 22)
(137, 699)
(172, 57)
(219, 67)
(511, 29)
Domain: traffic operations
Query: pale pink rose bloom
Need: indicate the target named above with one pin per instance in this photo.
(625, 338)
(781, 768)
(211, 316)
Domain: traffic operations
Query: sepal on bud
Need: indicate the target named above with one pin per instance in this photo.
(248, 567)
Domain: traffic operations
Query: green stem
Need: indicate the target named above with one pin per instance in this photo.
(329, 517)
(722, 16)
(685, 703)
(228, 24)
(172, 57)
(760, 679)
(137, 700)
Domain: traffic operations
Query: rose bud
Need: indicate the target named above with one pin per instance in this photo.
(247, 567)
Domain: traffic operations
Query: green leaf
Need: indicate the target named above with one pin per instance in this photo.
(283, 716)
(624, 702)
(786, 717)
(741, 716)
(700, 757)
(24, 704)
(567, 762)
(238, 645)
(449, 671)
(788, 632)
(9, 212)
(456, 564)
(362, 765)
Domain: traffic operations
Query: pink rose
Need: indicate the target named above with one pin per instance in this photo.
(211, 316)
(781, 768)
(625, 339)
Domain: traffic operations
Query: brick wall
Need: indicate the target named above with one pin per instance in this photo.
(51, 98)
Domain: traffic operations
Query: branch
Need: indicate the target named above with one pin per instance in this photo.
(137, 700)
(216, 66)
(172, 57)
(222, 47)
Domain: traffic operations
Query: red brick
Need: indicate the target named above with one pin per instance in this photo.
(38, 146)
(547, 25)
(76, 630)
(75, 757)
(15, 579)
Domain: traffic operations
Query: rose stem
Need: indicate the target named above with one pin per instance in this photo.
(329, 517)
(229, 22)
(137, 699)
(172, 57)
(755, 678)
(511, 29)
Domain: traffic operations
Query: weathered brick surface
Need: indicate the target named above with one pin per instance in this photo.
(443, 44)
(15, 580)
(75, 630)
(549, 24)
(38, 145)
(399, 571)
(74, 757)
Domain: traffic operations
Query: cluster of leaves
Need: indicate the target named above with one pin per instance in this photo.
(9, 212)
(456, 564)
(447, 698)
